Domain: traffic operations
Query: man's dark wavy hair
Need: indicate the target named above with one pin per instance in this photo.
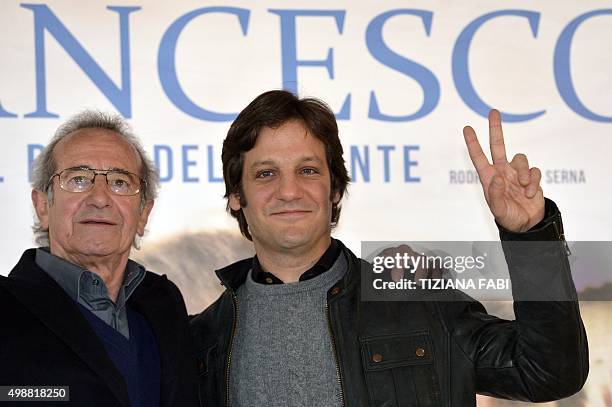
(273, 109)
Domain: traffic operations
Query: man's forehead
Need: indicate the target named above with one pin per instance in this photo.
(99, 144)
(297, 126)
(292, 138)
(91, 133)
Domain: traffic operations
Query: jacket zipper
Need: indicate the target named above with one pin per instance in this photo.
(229, 352)
(336, 359)
(561, 237)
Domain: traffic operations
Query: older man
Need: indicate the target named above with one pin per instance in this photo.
(78, 312)
(291, 329)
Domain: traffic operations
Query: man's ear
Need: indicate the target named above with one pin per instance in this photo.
(40, 201)
(144, 217)
(234, 201)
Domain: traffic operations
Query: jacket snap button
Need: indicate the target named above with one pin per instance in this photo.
(335, 290)
(420, 352)
(377, 358)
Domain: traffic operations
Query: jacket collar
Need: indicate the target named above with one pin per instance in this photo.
(234, 275)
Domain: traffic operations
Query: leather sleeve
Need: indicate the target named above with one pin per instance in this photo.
(543, 354)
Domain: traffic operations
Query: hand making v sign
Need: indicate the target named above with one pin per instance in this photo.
(512, 189)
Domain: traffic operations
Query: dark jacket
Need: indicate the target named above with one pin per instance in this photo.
(428, 353)
(45, 340)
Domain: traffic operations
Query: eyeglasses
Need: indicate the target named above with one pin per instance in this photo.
(81, 179)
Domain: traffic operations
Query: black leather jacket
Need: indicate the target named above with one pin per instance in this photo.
(428, 353)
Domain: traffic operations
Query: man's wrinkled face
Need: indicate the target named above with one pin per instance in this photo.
(286, 186)
(97, 223)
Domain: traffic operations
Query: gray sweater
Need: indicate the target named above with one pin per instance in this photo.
(282, 353)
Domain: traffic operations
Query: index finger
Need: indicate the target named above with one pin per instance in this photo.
(496, 138)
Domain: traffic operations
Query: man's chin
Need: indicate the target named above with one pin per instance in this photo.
(296, 239)
(97, 249)
(285, 239)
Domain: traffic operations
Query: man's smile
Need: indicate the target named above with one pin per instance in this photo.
(95, 221)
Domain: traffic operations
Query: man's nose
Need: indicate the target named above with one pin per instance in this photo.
(99, 195)
(289, 188)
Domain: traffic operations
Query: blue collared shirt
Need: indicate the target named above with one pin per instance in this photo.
(89, 290)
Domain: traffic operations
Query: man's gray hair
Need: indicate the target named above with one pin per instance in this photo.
(44, 166)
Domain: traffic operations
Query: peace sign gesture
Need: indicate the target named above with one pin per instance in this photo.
(512, 190)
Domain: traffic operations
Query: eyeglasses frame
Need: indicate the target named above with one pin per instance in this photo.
(97, 171)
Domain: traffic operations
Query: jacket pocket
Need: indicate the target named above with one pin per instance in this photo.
(208, 380)
(399, 370)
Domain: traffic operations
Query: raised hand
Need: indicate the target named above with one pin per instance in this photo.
(512, 189)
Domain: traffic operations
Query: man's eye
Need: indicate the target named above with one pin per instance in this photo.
(309, 171)
(120, 184)
(264, 174)
(78, 183)
(79, 180)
